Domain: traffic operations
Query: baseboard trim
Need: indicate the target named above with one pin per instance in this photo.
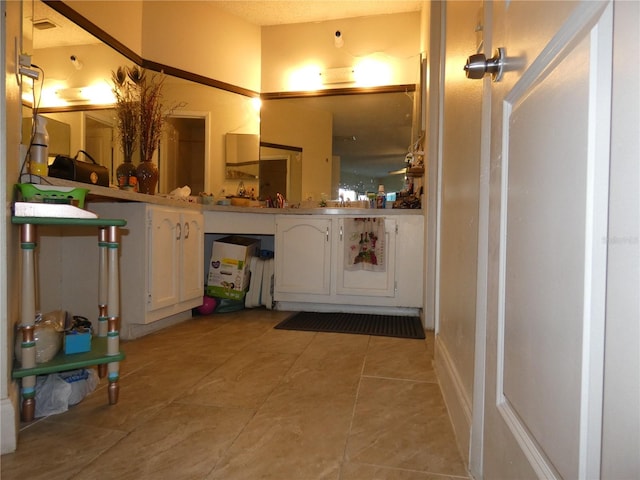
(326, 307)
(10, 421)
(457, 401)
(131, 331)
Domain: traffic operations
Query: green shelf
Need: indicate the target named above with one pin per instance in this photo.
(61, 362)
(88, 222)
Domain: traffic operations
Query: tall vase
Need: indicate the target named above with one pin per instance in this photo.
(147, 173)
(126, 176)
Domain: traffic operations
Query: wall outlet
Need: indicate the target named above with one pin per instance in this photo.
(24, 60)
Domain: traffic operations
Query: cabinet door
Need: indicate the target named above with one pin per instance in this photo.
(164, 258)
(192, 249)
(364, 281)
(303, 255)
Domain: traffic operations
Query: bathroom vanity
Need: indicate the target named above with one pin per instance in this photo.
(312, 271)
(164, 260)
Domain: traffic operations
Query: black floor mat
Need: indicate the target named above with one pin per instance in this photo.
(356, 323)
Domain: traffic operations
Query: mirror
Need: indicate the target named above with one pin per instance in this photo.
(242, 156)
(199, 128)
(369, 135)
(193, 143)
(280, 171)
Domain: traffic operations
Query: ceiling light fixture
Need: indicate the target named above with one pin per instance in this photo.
(73, 94)
(97, 94)
(338, 75)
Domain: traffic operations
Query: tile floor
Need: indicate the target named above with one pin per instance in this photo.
(228, 397)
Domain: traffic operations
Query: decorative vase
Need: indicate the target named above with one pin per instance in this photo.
(147, 174)
(126, 176)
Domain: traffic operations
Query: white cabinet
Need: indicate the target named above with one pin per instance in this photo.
(310, 265)
(303, 255)
(163, 273)
(176, 249)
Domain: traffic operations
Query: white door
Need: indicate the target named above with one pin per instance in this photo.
(98, 143)
(548, 189)
(303, 256)
(192, 250)
(164, 258)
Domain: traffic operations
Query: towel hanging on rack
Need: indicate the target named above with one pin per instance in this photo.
(364, 243)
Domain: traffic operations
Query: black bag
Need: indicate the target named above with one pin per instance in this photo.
(79, 171)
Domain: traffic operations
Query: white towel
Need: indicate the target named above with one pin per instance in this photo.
(267, 284)
(364, 243)
(252, 297)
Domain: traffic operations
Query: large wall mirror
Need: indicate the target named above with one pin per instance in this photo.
(192, 151)
(366, 136)
(370, 133)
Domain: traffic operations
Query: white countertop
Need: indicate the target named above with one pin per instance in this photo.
(102, 194)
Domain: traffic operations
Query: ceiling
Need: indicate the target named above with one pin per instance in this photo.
(276, 12)
(257, 12)
(63, 33)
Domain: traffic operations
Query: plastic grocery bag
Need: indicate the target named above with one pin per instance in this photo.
(48, 332)
(52, 395)
(55, 393)
(82, 382)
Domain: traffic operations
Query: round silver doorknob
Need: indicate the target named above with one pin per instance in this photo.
(478, 66)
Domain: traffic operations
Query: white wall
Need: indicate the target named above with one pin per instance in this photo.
(122, 19)
(10, 159)
(312, 134)
(285, 48)
(202, 39)
(160, 31)
(458, 227)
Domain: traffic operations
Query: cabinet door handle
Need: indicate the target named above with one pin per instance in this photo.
(178, 231)
(327, 234)
(341, 232)
(186, 230)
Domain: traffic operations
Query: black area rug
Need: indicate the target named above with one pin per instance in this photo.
(356, 323)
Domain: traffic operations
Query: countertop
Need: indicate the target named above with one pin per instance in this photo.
(107, 194)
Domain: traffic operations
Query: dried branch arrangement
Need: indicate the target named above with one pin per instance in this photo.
(127, 110)
(139, 110)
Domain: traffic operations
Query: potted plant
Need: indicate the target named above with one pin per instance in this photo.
(151, 124)
(127, 110)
